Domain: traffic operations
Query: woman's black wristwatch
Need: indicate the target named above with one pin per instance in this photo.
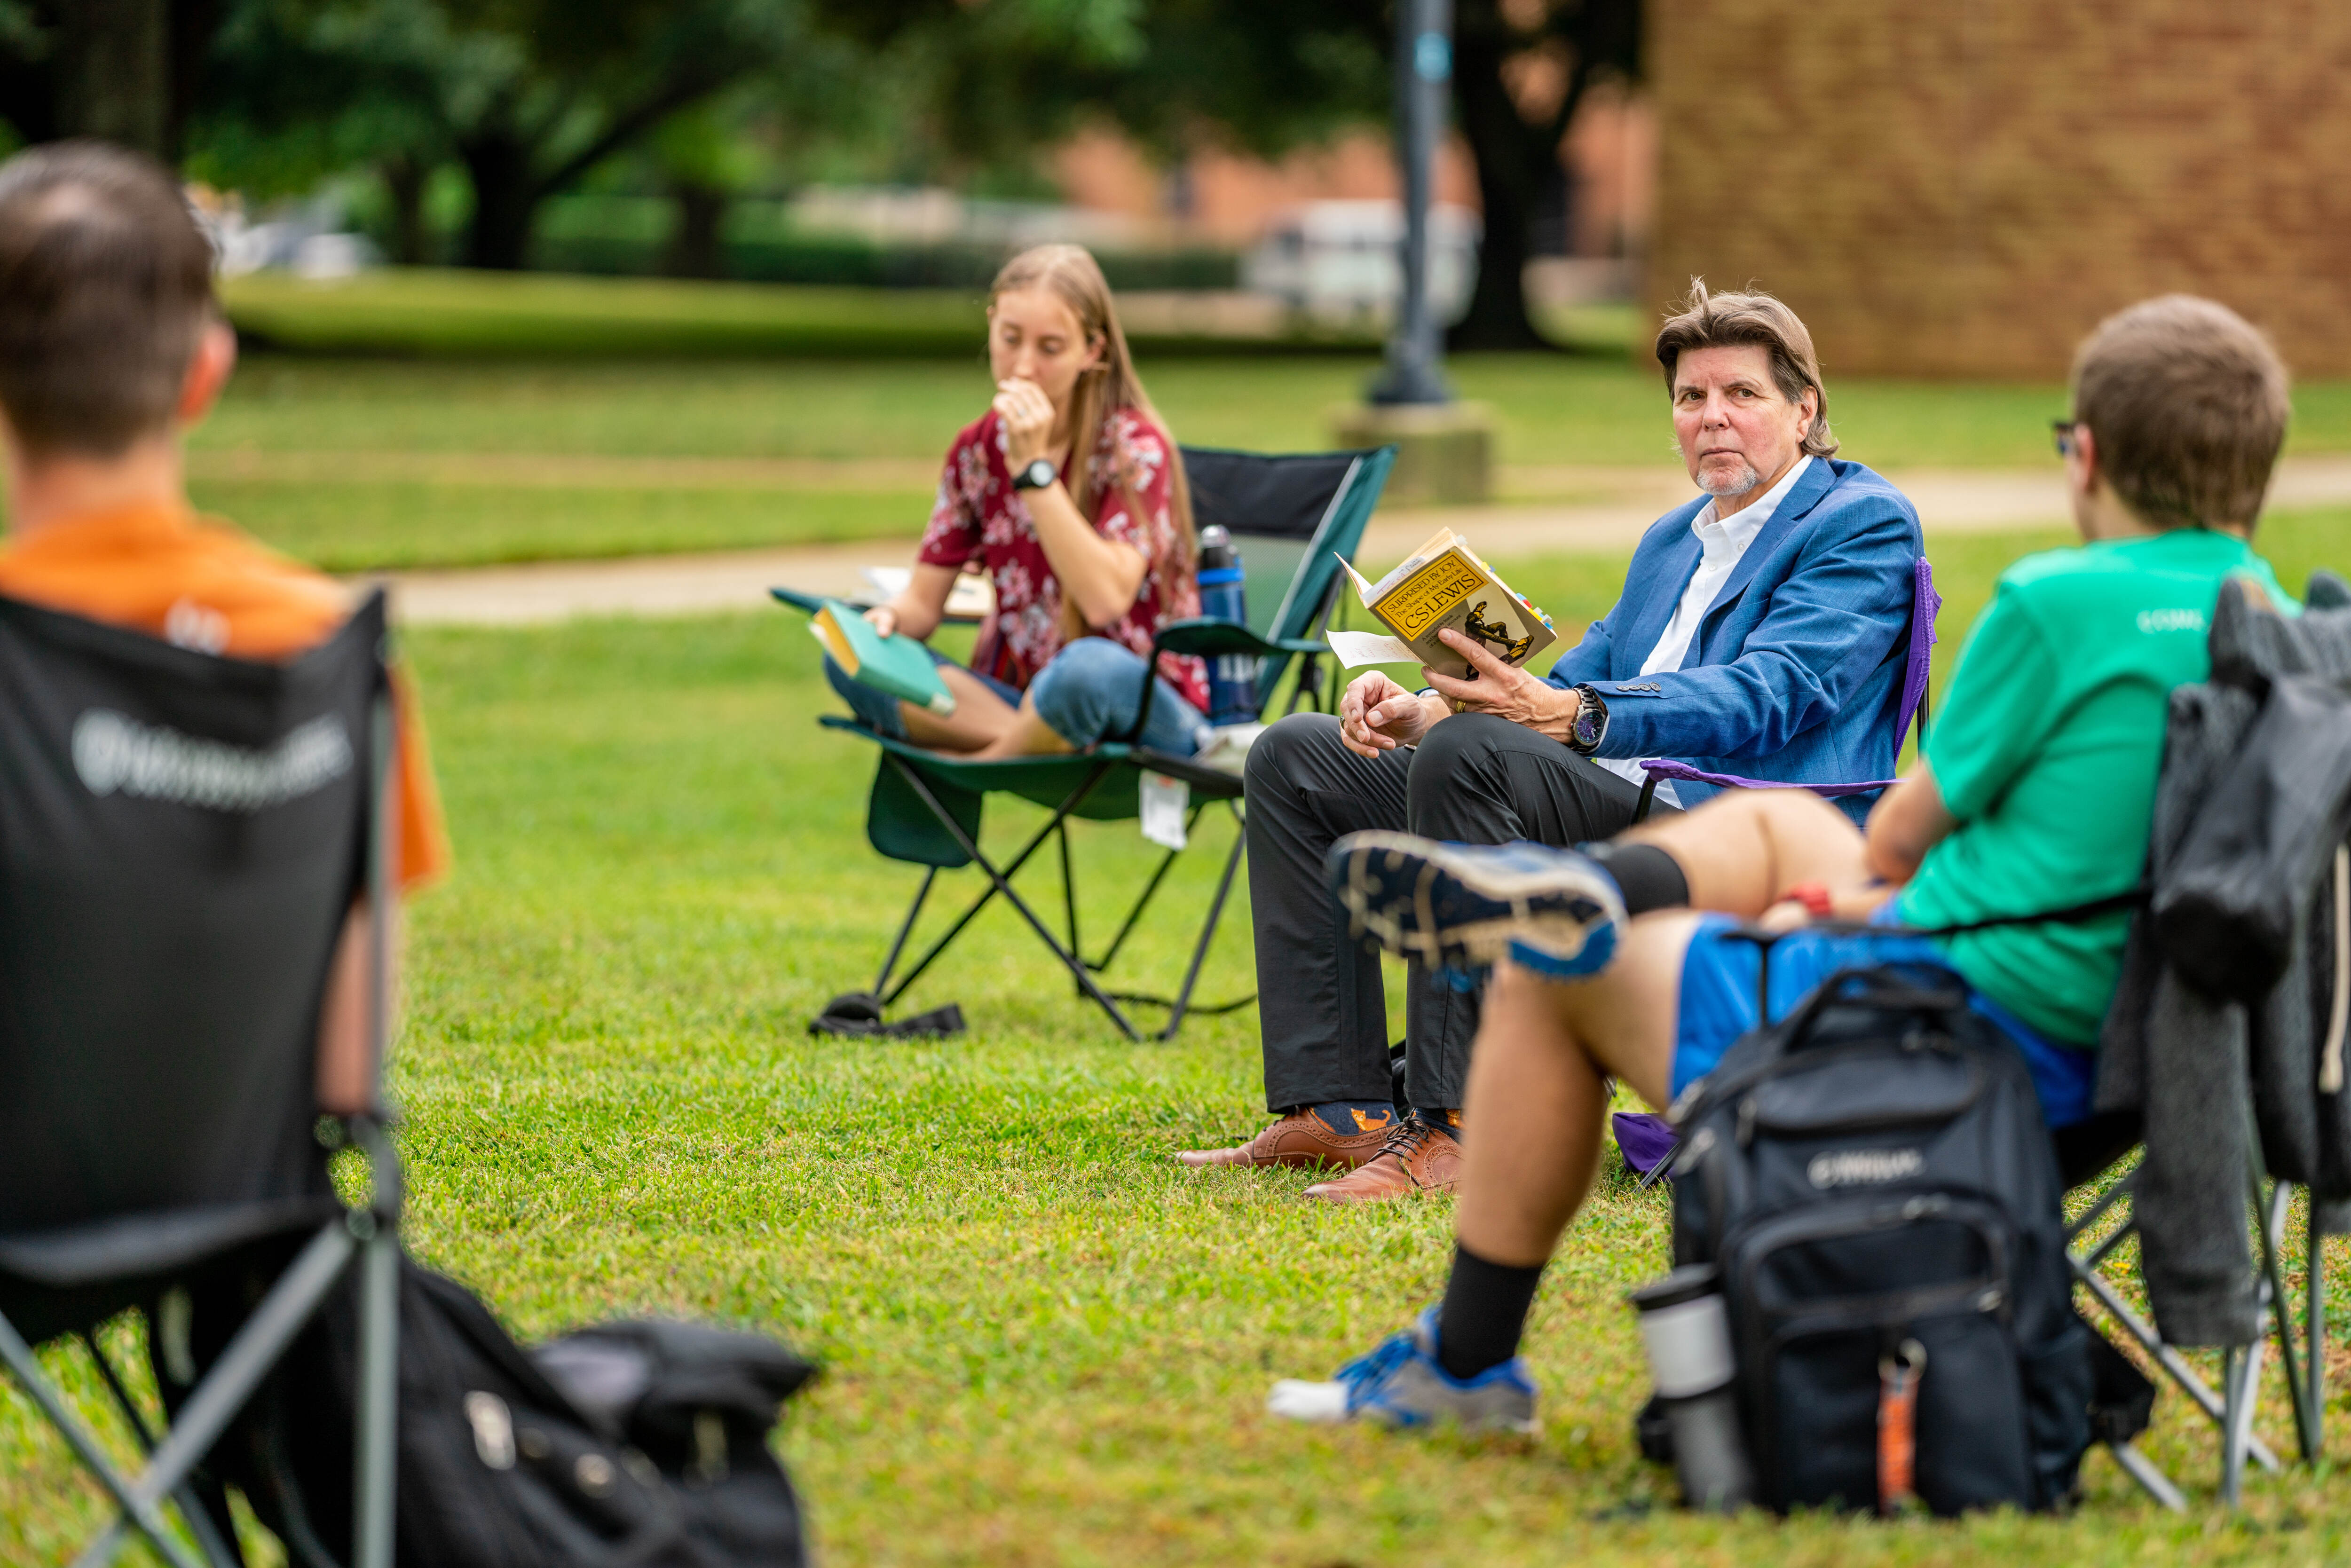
(1591, 725)
(1037, 475)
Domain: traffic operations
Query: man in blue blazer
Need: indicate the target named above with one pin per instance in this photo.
(1762, 632)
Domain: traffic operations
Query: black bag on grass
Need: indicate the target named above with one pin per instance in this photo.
(636, 1443)
(1872, 1176)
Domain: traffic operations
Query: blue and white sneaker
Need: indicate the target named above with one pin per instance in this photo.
(1456, 907)
(1402, 1383)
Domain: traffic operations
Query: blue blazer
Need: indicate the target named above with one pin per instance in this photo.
(1796, 670)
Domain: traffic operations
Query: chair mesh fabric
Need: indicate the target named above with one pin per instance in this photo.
(1277, 507)
(180, 838)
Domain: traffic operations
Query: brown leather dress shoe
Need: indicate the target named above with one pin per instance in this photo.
(1416, 1158)
(1302, 1139)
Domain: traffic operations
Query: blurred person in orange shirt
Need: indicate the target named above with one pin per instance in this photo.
(112, 346)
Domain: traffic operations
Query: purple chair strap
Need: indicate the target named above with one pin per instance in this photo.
(1660, 768)
(1925, 603)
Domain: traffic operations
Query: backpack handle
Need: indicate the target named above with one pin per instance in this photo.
(1879, 988)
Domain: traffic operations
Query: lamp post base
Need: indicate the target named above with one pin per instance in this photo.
(1445, 452)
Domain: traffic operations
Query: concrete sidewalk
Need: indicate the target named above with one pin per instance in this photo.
(1949, 502)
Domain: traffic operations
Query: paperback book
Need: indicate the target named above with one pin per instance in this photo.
(1441, 585)
(896, 664)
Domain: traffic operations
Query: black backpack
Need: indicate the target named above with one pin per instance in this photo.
(636, 1443)
(1871, 1177)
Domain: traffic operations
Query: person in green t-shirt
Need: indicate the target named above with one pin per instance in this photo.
(2046, 754)
(2035, 794)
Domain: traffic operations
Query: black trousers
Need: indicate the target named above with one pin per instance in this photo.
(1474, 778)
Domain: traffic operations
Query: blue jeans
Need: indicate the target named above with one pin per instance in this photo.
(1086, 694)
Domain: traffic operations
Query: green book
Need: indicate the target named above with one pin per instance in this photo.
(896, 664)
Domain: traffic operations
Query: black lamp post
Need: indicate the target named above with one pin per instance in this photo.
(1424, 67)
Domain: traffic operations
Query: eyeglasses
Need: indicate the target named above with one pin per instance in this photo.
(2063, 429)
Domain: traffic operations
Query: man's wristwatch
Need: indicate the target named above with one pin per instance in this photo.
(1591, 725)
(1037, 475)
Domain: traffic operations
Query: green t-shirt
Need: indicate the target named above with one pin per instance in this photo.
(2047, 749)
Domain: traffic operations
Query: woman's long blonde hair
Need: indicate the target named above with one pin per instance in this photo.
(1076, 279)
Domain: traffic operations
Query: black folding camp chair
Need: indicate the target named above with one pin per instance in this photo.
(181, 839)
(2091, 1241)
(1294, 519)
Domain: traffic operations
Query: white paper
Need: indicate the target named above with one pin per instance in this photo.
(973, 597)
(1163, 800)
(1357, 649)
(1228, 747)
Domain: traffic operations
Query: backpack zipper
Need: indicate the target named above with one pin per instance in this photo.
(1711, 1094)
(1751, 1119)
(1763, 1238)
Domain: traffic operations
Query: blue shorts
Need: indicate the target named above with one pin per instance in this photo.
(1718, 1003)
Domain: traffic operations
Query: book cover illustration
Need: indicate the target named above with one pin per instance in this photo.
(1443, 584)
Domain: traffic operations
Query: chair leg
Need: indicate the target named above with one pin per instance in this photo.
(141, 1509)
(1003, 886)
(922, 791)
(905, 929)
(2150, 1479)
(1069, 888)
(203, 1507)
(1207, 932)
(1134, 916)
(376, 1438)
(2240, 1382)
(2313, 1330)
(2186, 1377)
(2272, 1218)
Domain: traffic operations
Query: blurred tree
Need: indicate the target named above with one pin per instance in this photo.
(703, 161)
(527, 95)
(1268, 75)
(999, 78)
(1521, 69)
(122, 70)
(595, 77)
(295, 91)
(816, 100)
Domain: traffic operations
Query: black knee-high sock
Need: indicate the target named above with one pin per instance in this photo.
(1484, 1313)
(1647, 875)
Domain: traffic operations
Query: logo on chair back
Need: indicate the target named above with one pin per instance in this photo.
(1863, 1167)
(113, 753)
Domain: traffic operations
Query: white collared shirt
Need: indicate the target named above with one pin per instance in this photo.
(1720, 543)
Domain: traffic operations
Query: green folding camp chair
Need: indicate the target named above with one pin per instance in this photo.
(1294, 519)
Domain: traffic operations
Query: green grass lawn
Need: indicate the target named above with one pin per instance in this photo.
(1044, 1344)
(598, 458)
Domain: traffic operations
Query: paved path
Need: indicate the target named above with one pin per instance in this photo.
(1949, 501)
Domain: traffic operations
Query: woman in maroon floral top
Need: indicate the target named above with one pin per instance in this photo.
(1087, 542)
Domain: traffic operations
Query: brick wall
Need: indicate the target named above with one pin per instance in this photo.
(1963, 187)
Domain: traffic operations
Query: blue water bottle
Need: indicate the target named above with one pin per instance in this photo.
(1232, 677)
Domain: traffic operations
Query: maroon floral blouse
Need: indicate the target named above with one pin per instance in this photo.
(981, 523)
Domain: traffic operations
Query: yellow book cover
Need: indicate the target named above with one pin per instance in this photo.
(1443, 584)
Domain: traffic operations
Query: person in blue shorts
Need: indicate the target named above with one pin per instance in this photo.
(2034, 793)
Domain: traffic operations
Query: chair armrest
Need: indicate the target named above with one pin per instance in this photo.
(1207, 636)
(1658, 768)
